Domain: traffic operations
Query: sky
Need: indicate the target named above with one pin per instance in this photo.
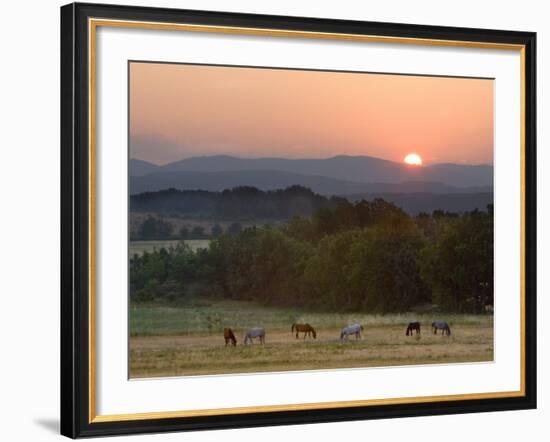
(179, 111)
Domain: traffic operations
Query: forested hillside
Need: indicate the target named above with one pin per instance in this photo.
(368, 256)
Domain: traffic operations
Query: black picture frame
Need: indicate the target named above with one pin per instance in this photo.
(75, 220)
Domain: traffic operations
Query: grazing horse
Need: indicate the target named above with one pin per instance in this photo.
(354, 329)
(443, 326)
(413, 326)
(257, 332)
(229, 336)
(306, 329)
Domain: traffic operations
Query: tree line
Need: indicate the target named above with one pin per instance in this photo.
(238, 204)
(369, 256)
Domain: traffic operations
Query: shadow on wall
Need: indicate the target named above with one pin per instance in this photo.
(49, 424)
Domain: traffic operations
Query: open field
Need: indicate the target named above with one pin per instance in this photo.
(139, 247)
(188, 340)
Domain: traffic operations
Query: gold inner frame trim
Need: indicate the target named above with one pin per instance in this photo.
(93, 24)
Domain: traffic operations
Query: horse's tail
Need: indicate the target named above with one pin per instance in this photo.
(292, 328)
(341, 336)
(408, 330)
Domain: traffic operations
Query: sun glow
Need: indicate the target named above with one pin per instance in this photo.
(413, 159)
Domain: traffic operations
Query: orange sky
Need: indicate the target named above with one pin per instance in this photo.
(178, 111)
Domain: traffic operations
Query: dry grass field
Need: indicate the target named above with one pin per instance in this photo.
(188, 340)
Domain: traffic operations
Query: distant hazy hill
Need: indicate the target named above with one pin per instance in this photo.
(274, 179)
(360, 169)
(140, 167)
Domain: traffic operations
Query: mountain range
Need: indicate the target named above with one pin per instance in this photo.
(340, 175)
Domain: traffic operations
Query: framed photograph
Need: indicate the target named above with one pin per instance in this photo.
(273, 220)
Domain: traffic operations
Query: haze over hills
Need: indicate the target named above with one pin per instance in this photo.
(273, 179)
(332, 176)
(418, 202)
(249, 203)
(140, 167)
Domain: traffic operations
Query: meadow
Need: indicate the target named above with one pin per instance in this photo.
(187, 339)
(140, 247)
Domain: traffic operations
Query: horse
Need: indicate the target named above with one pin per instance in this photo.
(306, 329)
(257, 332)
(354, 329)
(413, 326)
(229, 336)
(443, 326)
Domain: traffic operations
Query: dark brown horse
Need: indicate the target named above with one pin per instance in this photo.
(229, 336)
(413, 326)
(306, 329)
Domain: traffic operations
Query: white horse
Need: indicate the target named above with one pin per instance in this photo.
(257, 332)
(443, 326)
(354, 329)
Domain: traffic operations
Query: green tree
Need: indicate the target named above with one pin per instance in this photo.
(183, 233)
(216, 230)
(197, 232)
(155, 228)
(384, 273)
(458, 265)
(234, 229)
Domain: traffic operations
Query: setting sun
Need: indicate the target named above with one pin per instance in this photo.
(413, 159)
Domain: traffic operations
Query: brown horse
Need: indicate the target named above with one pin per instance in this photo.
(413, 326)
(229, 336)
(306, 329)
